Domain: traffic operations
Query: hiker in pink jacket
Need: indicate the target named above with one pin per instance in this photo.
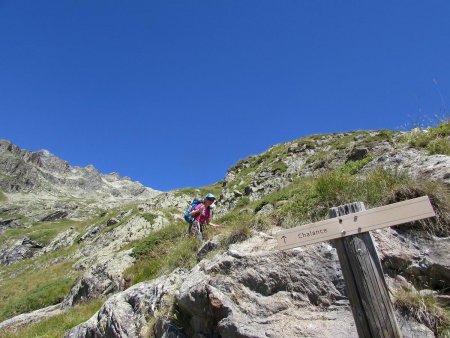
(202, 215)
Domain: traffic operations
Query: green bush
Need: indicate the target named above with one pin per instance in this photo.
(215, 189)
(235, 216)
(2, 196)
(383, 135)
(279, 166)
(246, 169)
(168, 233)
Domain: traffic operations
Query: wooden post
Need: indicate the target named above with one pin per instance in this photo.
(366, 288)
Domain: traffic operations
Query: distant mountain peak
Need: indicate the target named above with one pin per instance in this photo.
(34, 172)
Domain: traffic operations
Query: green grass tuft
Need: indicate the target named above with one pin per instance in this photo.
(245, 200)
(149, 217)
(439, 146)
(310, 200)
(353, 167)
(425, 309)
(279, 166)
(239, 232)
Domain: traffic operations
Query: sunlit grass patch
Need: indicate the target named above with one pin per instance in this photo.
(31, 289)
(149, 217)
(162, 251)
(435, 139)
(310, 200)
(353, 167)
(57, 326)
(44, 232)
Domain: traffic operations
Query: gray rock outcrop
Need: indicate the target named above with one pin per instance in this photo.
(103, 277)
(9, 224)
(126, 314)
(55, 216)
(251, 290)
(62, 240)
(24, 248)
(423, 259)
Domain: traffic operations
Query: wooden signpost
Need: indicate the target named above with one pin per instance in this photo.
(366, 288)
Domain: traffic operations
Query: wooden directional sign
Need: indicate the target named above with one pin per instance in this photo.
(385, 216)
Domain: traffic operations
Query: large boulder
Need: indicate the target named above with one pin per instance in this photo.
(253, 290)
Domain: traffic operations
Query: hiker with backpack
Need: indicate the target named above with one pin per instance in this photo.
(199, 215)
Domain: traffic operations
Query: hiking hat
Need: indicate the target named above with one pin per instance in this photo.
(210, 196)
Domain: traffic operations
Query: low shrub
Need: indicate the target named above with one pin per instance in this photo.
(215, 189)
(279, 166)
(353, 167)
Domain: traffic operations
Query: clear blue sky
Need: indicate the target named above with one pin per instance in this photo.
(172, 93)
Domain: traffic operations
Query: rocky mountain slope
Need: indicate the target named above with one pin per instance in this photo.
(108, 239)
(45, 175)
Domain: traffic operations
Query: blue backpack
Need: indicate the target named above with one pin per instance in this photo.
(191, 207)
